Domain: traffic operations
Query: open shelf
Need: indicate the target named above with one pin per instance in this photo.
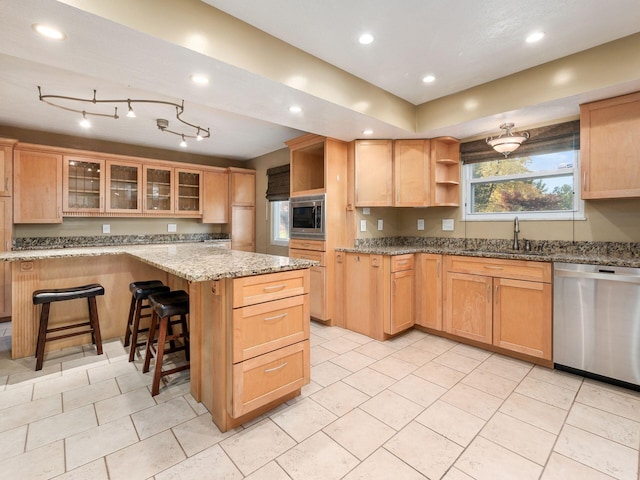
(445, 157)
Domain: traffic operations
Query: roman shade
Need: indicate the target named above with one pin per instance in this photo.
(278, 183)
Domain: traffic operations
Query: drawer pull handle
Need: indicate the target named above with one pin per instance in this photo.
(275, 317)
(492, 268)
(401, 262)
(269, 370)
(274, 287)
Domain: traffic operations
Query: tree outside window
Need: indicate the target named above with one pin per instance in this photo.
(280, 223)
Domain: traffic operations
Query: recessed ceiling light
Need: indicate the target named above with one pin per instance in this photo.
(200, 79)
(368, 131)
(366, 39)
(48, 31)
(535, 37)
(428, 78)
(295, 109)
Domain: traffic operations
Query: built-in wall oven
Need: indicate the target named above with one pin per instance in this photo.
(307, 217)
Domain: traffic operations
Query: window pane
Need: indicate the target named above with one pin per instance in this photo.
(280, 222)
(521, 165)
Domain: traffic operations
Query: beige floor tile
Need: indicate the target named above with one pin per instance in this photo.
(59, 385)
(96, 470)
(327, 373)
(506, 367)
(613, 388)
(393, 367)
(25, 413)
(31, 376)
(317, 458)
(369, 381)
(200, 433)
(198, 407)
(556, 377)
(12, 442)
(319, 354)
(485, 460)
(599, 453)
(122, 405)
(95, 392)
(382, 465)
(489, 383)
(110, 370)
(472, 401)
(411, 443)
(437, 345)
(418, 390)
(265, 441)
(535, 412)
(174, 390)
(392, 409)
(58, 427)
(560, 467)
(41, 463)
(439, 374)
(15, 396)
(330, 333)
(605, 424)
(340, 398)
(546, 392)
(455, 474)
(457, 361)
(134, 380)
(271, 471)
(82, 364)
(609, 400)
(340, 345)
(309, 389)
(405, 339)
(471, 352)
(353, 361)
(146, 458)
(357, 337)
(316, 340)
(210, 463)
(360, 433)
(415, 356)
(375, 350)
(451, 422)
(519, 437)
(303, 419)
(97, 442)
(153, 420)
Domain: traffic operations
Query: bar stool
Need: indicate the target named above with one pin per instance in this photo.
(164, 306)
(47, 297)
(140, 292)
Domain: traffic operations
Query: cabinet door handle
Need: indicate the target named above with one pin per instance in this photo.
(438, 269)
(402, 262)
(394, 287)
(584, 181)
(274, 287)
(488, 292)
(6, 184)
(269, 370)
(488, 267)
(275, 317)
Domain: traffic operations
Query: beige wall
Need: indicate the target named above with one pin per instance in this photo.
(263, 213)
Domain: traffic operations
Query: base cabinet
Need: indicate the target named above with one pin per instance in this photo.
(428, 290)
(469, 310)
(314, 250)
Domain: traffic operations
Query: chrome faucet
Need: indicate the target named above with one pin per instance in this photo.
(516, 230)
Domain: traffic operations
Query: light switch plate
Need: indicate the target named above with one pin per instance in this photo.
(421, 224)
(447, 224)
(380, 224)
(366, 211)
(363, 225)
(172, 227)
(106, 228)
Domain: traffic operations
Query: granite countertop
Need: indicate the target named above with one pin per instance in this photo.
(195, 262)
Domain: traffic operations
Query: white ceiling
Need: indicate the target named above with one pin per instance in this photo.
(464, 43)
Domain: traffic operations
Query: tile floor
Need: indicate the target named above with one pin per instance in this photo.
(415, 407)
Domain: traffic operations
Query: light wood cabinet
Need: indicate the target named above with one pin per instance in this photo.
(37, 181)
(215, 196)
(123, 182)
(401, 295)
(373, 173)
(5, 246)
(6, 166)
(411, 167)
(445, 172)
(610, 147)
(83, 184)
(243, 187)
(307, 165)
(242, 200)
(428, 293)
(188, 191)
(313, 250)
(157, 189)
(506, 303)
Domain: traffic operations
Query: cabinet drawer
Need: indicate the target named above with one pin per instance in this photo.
(307, 244)
(263, 379)
(402, 262)
(265, 327)
(496, 267)
(308, 255)
(272, 286)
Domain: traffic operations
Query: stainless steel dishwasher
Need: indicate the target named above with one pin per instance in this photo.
(596, 321)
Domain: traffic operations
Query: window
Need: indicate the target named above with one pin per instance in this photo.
(280, 223)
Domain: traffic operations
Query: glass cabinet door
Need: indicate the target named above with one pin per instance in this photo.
(82, 184)
(189, 191)
(123, 180)
(158, 193)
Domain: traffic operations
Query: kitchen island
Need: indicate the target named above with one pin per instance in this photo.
(249, 314)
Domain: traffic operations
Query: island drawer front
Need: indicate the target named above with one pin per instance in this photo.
(496, 267)
(402, 262)
(263, 379)
(262, 328)
(272, 286)
(300, 244)
(307, 255)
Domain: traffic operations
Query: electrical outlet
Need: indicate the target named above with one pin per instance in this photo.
(106, 228)
(447, 224)
(421, 224)
(172, 227)
(380, 224)
(366, 211)
(363, 225)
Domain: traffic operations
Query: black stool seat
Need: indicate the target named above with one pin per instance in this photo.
(61, 294)
(49, 296)
(171, 303)
(140, 292)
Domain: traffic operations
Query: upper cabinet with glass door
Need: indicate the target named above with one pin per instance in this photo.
(123, 181)
(158, 189)
(83, 184)
(188, 192)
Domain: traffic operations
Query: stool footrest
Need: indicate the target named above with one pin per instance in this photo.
(67, 327)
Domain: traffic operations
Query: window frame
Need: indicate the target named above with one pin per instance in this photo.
(274, 212)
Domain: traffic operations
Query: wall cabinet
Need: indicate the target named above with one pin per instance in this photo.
(242, 201)
(411, 167)
(37, 175)
(428, 292)
(6, 166)
(82, 184)
(445, 172)
(188, 191)
(158, 189)
(506, 303)
(610, 147)
(123, 182)
(215, 196)
(373, 173)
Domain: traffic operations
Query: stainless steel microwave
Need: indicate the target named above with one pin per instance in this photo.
(307, 217)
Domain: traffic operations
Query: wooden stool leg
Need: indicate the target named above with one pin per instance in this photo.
(152, 333)
(135, 328)
(127, 334)
(185, 332)
(157, 374)
(95, 324)
(42, 335)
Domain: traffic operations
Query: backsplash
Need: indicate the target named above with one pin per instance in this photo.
(35, 243)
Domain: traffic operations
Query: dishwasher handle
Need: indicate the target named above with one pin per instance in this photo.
(598, 276)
